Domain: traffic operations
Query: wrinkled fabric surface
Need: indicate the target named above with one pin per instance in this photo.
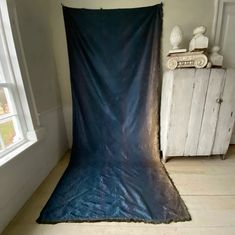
(114, 173)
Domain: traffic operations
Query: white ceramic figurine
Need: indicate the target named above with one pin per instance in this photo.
(215, 58)
(175, 39)
(199, 40)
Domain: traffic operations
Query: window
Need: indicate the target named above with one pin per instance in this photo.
(15, 128)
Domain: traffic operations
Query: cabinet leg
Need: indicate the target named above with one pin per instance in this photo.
(222, 156)
(164, 159)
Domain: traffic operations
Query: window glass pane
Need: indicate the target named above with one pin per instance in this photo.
(4, 101)
(9, 133)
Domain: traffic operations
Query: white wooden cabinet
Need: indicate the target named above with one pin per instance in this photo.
(197, 112)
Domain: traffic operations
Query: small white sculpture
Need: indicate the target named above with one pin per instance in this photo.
(175, 39)
(199, 41)
(215, 58)
(196, 59)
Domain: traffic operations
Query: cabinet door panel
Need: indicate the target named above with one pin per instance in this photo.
(201, 82)
(211, 111)
(166, 101)
(180, 111)
(226, 115)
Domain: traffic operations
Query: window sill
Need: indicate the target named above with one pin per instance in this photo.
(38, 134)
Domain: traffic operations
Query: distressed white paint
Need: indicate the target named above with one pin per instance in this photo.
(179, 111)
(166, 100)
(201, 82)
(192, 118)
(211, 110)
(226, 115)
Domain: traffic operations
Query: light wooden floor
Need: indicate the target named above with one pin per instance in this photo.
(207, 186)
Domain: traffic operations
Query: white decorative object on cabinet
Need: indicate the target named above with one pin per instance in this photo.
(196, 59)
(197, 112)
(175, 39)
(199, 40)
(215, 58)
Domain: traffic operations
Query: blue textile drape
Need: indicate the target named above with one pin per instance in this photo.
(114, 173)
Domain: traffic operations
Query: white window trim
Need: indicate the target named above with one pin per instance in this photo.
(31, 136)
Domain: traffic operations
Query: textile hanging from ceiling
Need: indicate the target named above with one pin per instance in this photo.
(114, 173)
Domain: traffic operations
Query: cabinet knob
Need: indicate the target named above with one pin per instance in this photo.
(219, 100)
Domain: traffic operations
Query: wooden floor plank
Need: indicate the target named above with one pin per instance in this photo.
(206, 186)
(107, 229)
(211, 185)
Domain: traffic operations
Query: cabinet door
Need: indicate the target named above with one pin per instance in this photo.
(226, 115)
(211, 112)
(180, 111)
(201, 82)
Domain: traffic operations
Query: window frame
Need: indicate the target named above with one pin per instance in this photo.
(16, 89)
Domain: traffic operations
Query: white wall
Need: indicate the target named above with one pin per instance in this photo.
(36, 38)
(22, 175)
(187, 13)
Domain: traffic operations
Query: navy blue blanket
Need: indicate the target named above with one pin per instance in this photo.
(114, 173)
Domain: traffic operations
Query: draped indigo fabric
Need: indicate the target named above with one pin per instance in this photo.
(114, 173)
